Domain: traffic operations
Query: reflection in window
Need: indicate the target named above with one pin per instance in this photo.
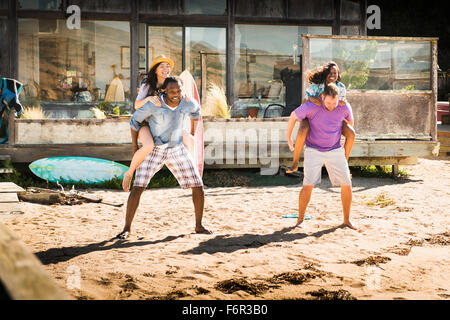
(40, 4)
(166, 41)
(77, 68)
(269, 72)
(350, 30)
(206, 56)
(206, 7)
(376, 65)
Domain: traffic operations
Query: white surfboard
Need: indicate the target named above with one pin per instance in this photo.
(195, 145)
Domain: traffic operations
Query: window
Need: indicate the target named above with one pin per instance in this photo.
(375, 64)
(206, 56)
(350, 10)
(268, 66)
(213, 7)
(166, 41)
(39, 4)
(79, 69)
(117, 6)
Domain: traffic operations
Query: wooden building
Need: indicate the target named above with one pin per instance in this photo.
(253, 49)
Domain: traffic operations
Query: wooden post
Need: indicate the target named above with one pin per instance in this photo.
(11, 128)
(305, 64)
(13, 40)
(395, 170)
(434, 89)
(203, 68)
(337, 17)
(22, 274)
(363, 18)
(134, 50)
(230, 58)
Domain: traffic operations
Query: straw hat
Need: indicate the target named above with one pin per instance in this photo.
(159, 59)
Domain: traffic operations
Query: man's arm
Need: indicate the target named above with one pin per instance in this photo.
(194, 114)
(291, 124)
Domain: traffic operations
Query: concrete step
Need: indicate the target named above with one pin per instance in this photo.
(4, 157)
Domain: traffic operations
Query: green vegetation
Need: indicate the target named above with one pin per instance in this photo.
(377, 172)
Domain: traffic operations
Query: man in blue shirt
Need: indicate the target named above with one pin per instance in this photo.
(166, 126)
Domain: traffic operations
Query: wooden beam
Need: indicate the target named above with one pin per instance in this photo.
(11, 128)
(134, 50)
(434, 88)
(230, 58)
(13, 40)
(305, 64)
(337, 17)
(22, 274)
(418, 39)
(363, 18)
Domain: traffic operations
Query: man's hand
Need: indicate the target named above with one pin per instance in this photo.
(315, 100)
(290, 144)
(155, 100)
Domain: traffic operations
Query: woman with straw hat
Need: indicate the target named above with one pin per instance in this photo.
(159, 70)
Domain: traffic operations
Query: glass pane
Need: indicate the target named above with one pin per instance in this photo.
(39, 4)
(269, 72)
(258, 8)
(66, 72)
(374, 64)
(206, 56)
(166, 41)
(205, 6)
(350, 9)
(3, 5)
(350, 30)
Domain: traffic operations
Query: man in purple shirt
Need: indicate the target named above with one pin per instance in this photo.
(323, 147)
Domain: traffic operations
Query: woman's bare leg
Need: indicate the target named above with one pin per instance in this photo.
(188, 141)
(146, 139)
(299, 143)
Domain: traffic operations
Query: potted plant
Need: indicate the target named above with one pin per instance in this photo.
(252, 110)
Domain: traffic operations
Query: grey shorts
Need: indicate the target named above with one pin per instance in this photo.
(177, 159)
(334, 161)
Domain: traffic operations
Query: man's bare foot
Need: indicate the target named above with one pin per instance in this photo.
(348, 224)
(126, 181)
(299, 222)
(293, 168)
(202, 230)
(123, 235)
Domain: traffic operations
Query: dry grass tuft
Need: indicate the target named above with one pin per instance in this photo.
(34, 113)
(216, 103)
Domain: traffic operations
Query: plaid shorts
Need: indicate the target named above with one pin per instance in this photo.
(177, 159)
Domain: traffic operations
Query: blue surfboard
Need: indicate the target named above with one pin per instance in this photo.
(77, 169)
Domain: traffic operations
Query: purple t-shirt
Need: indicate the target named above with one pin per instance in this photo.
(325, 126)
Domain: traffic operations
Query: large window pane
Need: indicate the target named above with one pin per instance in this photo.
(66, 72)
(206, 6)
(39, 4)
(166, 41)
(269, 72)
(160, 6)
(206, 56)
(374, 64)
(350, 9)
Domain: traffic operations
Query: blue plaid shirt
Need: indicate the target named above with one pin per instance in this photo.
(166, 123)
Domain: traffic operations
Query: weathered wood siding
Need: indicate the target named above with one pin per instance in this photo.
(306, 9)
(118, 6)
(390, 114)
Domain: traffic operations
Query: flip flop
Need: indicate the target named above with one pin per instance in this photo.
(294, 215)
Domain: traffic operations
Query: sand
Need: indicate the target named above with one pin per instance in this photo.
(400, 250)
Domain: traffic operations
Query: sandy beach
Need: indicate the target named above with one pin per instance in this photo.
(400, 250)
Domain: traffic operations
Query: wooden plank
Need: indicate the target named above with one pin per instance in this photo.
(22, 274)
(230, 58)
(4, 157)
(421, 39)
(305, 64)
(10, 187)
(434, 88)
(8, 197)
(10, 209)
